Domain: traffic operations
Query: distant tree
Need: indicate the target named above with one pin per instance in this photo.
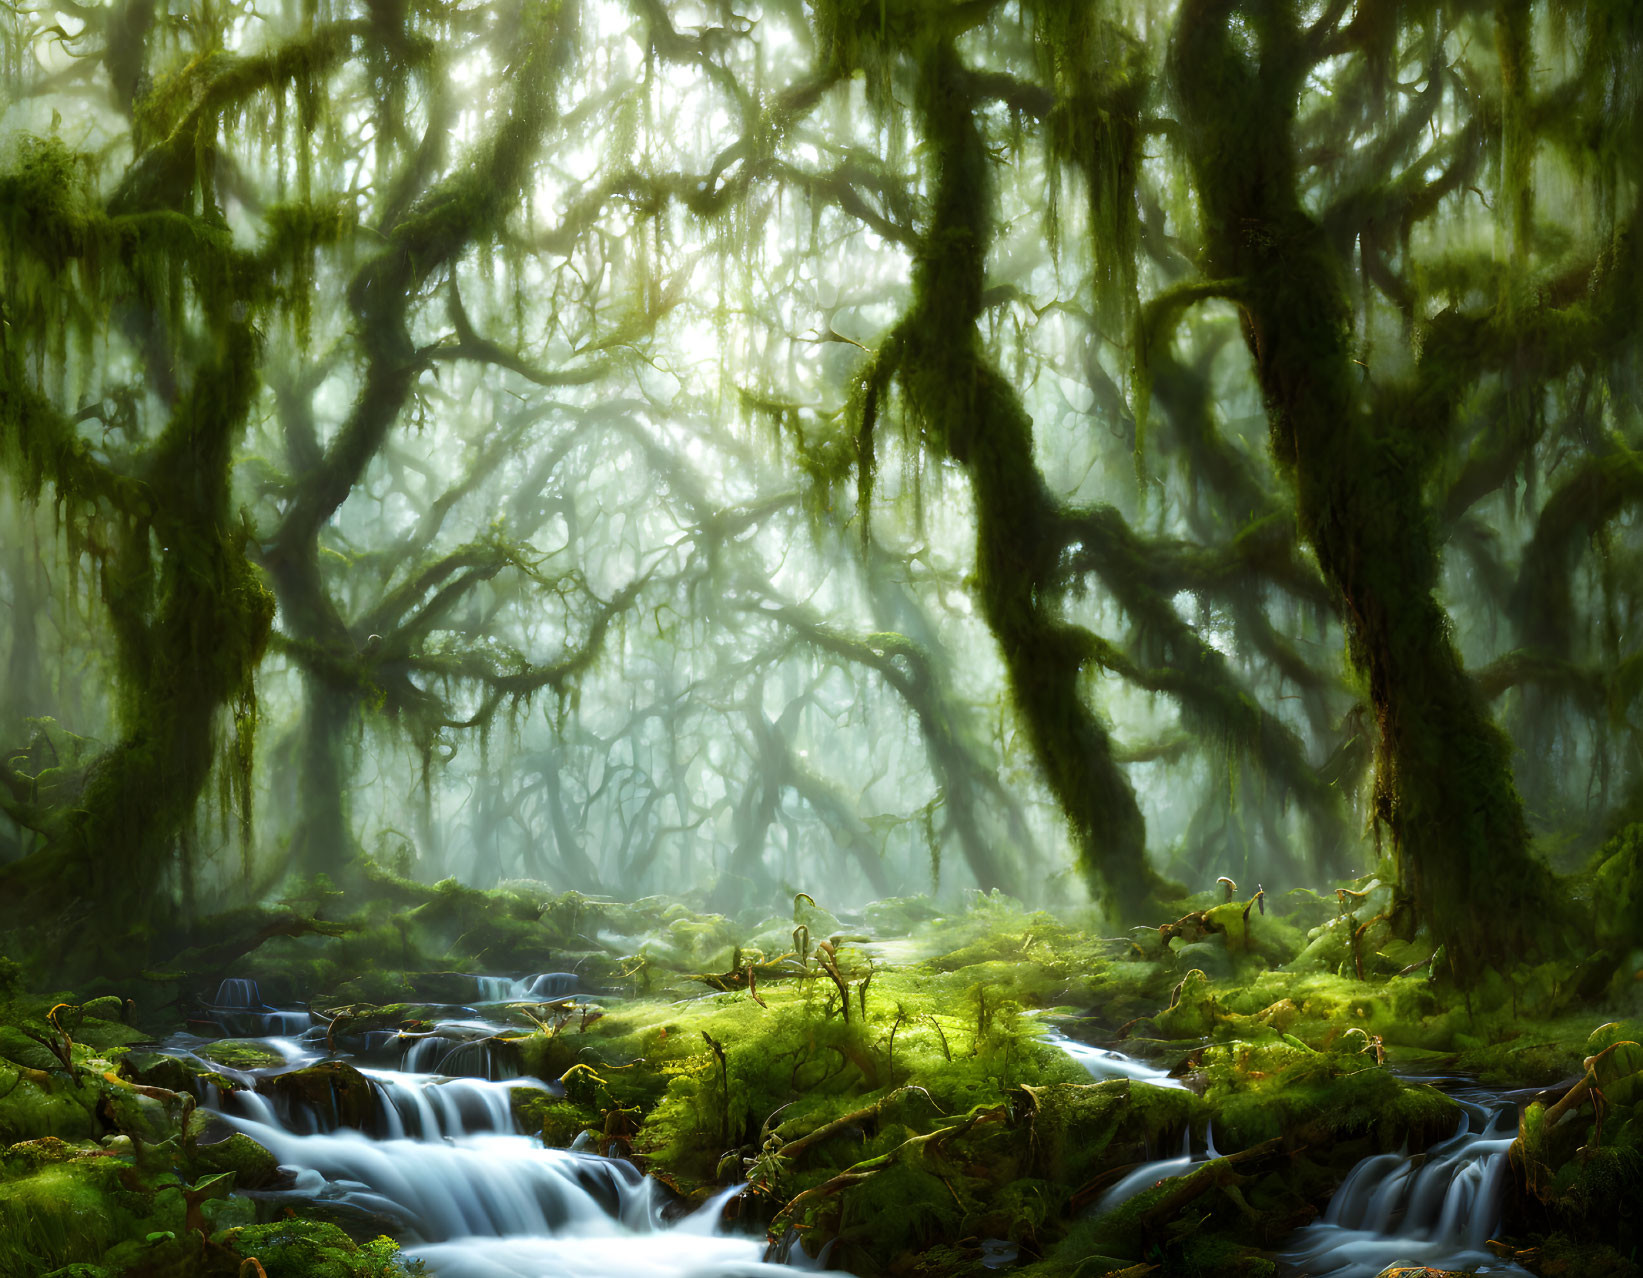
(710, 446)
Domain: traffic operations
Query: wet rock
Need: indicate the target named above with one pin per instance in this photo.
(101, 1035)
(36, 1103)
(1418, 1271)
(254, 1167)
(306, 1248)
(243, 1054)
(355, 1019)
(1280, 1015)
(107, 1008)
(1209, 956)
(18, 1047)
(1193, 1011)
(147, 1114)
(29, 1155)
(156, 1069)
(334, 1091)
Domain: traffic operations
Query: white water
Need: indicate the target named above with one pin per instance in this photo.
(1104, 1063)
(544, 985)
(1436, 1209)
(448, 1173)
(648, 1255)
(239, 1009)
(1156, 1172)
(236, 992)
(471, 1198)
(458, 1048)
(436, 1108)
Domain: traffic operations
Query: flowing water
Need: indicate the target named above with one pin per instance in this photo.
(1104, 1064)
(442, 1165)
(1437, 1209)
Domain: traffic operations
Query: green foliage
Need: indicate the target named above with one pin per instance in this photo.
(312, 1249)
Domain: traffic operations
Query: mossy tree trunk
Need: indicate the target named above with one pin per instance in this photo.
(191, 619)
(1444, 783)
(970, 412)
(429, 228)
(191, 625)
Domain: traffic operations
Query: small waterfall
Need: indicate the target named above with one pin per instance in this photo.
(426, 1052)
(543, 985)
(253, 1105)
(1104, 1063)
(1436, 1209)
(475, 1187)
(1158, 1170)
(272, 1022)
(443, 1167)
(239, 1010)
(553, 984)
(413, 1105)
(457, 1055)
(237, 992)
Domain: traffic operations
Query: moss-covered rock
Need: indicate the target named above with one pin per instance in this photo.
(334, 1090)
(242, 1054)
(1079, 1130)
(254, 1167)
(35, 1103)
(312, 1249)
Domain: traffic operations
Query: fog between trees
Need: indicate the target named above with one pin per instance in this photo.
(864, 448)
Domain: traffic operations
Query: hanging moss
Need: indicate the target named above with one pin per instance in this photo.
(1444, 778)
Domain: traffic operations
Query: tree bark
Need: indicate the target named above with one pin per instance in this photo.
(1444, 783)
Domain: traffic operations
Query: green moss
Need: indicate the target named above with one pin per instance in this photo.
(243, 1054)
(1080, 1129)
(1280, 1087)
(311, 1249)
(1210, 1257)
(909, 1208)
(254, 1167)
(33, 1106)
(76, 1212)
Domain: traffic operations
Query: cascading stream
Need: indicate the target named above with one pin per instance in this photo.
(1436, 1209)
(445, 1168)
(1104, 1064)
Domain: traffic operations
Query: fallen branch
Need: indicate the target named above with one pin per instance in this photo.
(871, 1167)
(1217, 1173)
(796, 1148)
(215, 960)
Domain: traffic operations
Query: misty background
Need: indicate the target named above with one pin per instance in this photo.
(552, 470)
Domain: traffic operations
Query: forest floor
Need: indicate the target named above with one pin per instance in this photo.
(885, 1081)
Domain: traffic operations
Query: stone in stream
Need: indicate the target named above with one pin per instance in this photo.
(333, 1092)
(243, 1054)
(254, 1167)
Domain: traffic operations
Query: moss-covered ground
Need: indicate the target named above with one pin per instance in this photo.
(883, 1082)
